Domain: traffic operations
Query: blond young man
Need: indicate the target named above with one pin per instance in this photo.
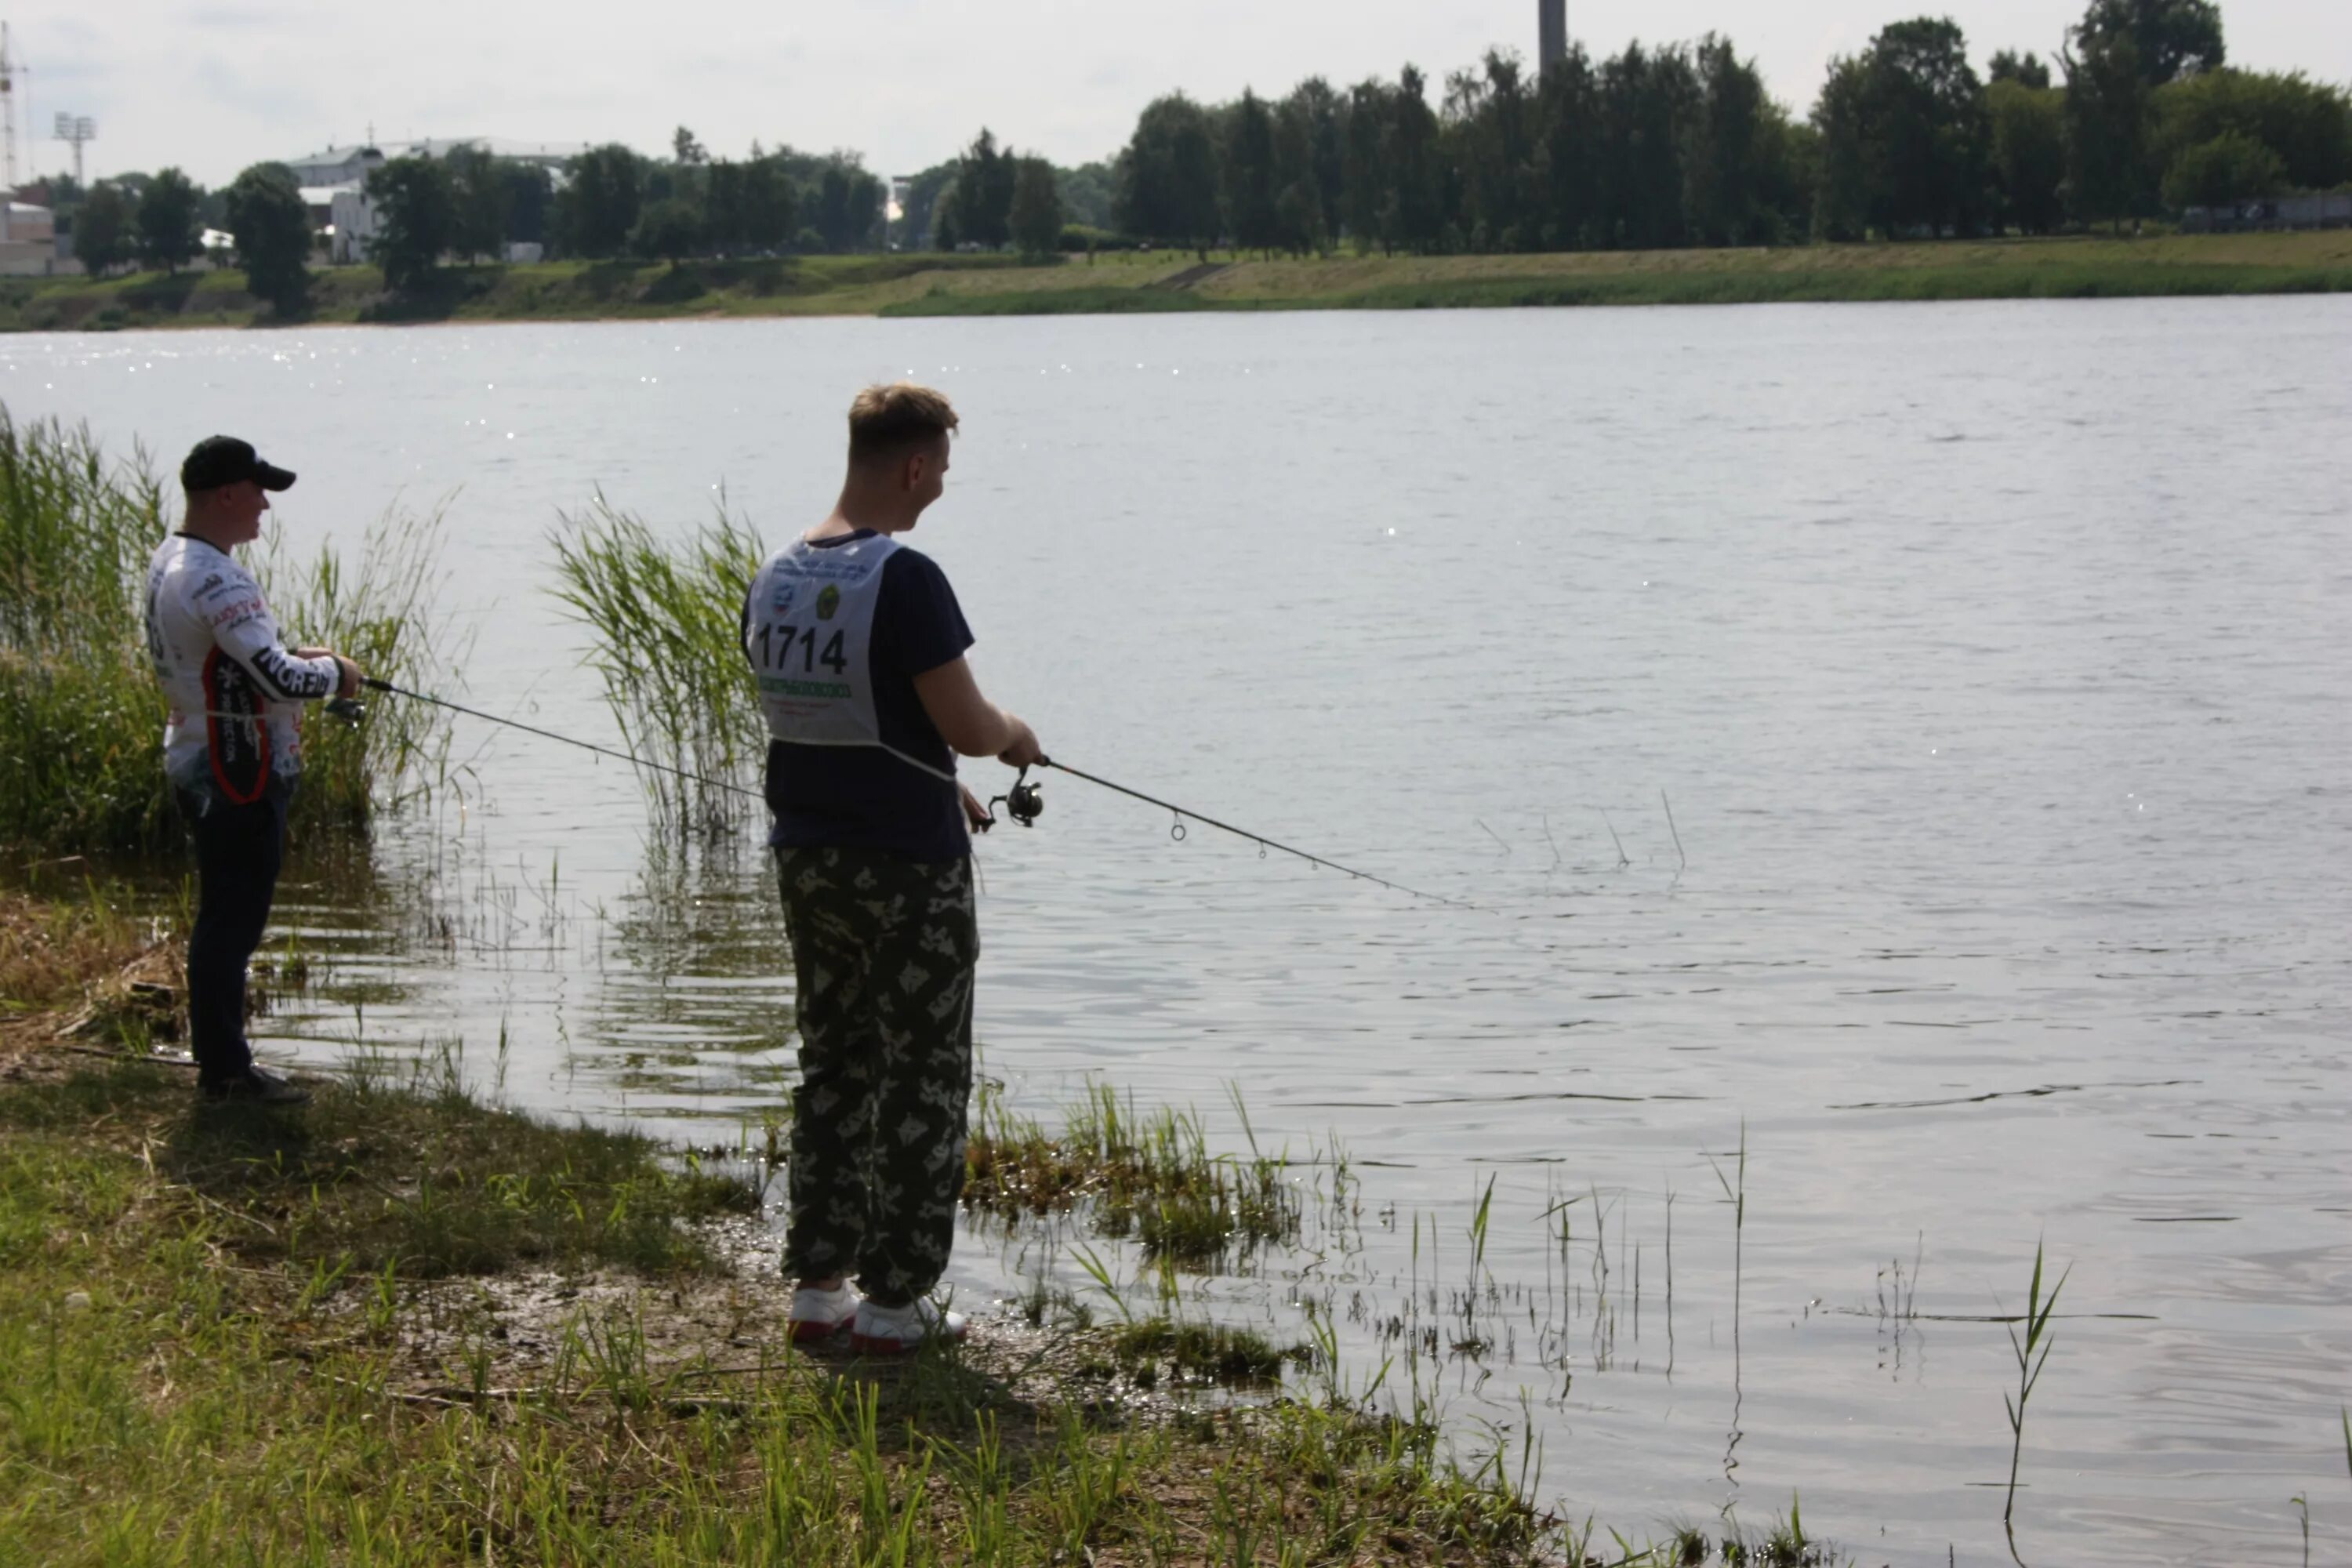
(859, 645)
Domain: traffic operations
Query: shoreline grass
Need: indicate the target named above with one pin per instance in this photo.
(2069, 266)
(402, 1326)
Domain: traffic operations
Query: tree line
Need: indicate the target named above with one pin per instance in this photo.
(466, 204)
(1657, 146)
(1682, 145)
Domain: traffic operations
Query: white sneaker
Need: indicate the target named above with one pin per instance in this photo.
(895, 1330)
(821, 1315)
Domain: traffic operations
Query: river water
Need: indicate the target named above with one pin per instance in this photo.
(1992, 660)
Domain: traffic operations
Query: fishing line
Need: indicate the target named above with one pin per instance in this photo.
(628, 757)
(1260, 839)
(1022, 802)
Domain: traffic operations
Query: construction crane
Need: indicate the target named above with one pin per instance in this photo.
(10, 70)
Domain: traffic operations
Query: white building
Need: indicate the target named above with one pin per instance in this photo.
(28, 238)
(334, 182)
(343, 166)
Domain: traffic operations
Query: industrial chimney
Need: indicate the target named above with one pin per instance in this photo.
(1551, 33)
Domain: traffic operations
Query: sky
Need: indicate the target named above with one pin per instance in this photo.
(214, 85)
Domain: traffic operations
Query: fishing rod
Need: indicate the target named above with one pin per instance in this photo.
(1024, 802)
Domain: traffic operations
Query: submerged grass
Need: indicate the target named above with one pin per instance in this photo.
(1189, 1351)
(667, 639)
(1146, 1176)
(81, 717)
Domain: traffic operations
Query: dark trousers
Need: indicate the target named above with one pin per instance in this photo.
(238, 850)
(882, 952)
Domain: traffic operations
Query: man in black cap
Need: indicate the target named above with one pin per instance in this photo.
(231, 747)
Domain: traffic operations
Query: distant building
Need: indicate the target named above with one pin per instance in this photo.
(28, 238)
(342, 165)
(2321, 210)
(334, 182)
(1551, 33)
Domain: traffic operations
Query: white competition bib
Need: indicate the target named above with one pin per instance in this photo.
(810, 639)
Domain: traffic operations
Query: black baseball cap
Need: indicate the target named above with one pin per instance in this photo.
(218, 460)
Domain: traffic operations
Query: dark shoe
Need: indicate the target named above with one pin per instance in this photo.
(257, 1086)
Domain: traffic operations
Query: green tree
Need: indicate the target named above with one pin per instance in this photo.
(603, 200)
(1927, 128)
(771, 208)
(2109, 118)
(483, 202)
(1736, 184)
(1247, 175)
(1645, 98)
(2231, 167)
(1310, 153)
(105, 228)
(684, 149)
(531, 200)
(848, 204)
(2026, 69)
(985, 177)
(168, 221)
(1843, 198)
(1368, 187)
(272, 226)
(415, 220)
(2029, 154)
(2170, 38)
(668, 230)
(1037, 219)
(1419, 219)
(2307, 124)
(722, 206)
(1167, 175)
(1490, 133)
(947, 229)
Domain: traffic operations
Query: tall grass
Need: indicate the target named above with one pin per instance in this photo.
(81, 717)
(666, 624)
(383, 615)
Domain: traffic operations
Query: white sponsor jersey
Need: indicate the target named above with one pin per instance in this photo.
(233, 688)
(810, 637)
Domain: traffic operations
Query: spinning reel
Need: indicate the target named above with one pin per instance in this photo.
(1024, 802)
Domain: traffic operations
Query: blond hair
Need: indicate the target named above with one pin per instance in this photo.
(884, 421)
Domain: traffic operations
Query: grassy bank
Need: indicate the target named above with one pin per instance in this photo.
(2083, 267)
(403, 1326)
(82, 715)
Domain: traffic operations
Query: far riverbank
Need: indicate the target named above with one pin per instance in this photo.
(2070, 268)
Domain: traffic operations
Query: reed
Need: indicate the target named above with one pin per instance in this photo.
(668, 642)
(385, 618)
(2039, 1310)
(81, 717)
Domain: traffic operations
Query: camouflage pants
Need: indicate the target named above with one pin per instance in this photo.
(883, 951)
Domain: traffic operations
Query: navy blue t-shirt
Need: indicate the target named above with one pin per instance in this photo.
(862, 797)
